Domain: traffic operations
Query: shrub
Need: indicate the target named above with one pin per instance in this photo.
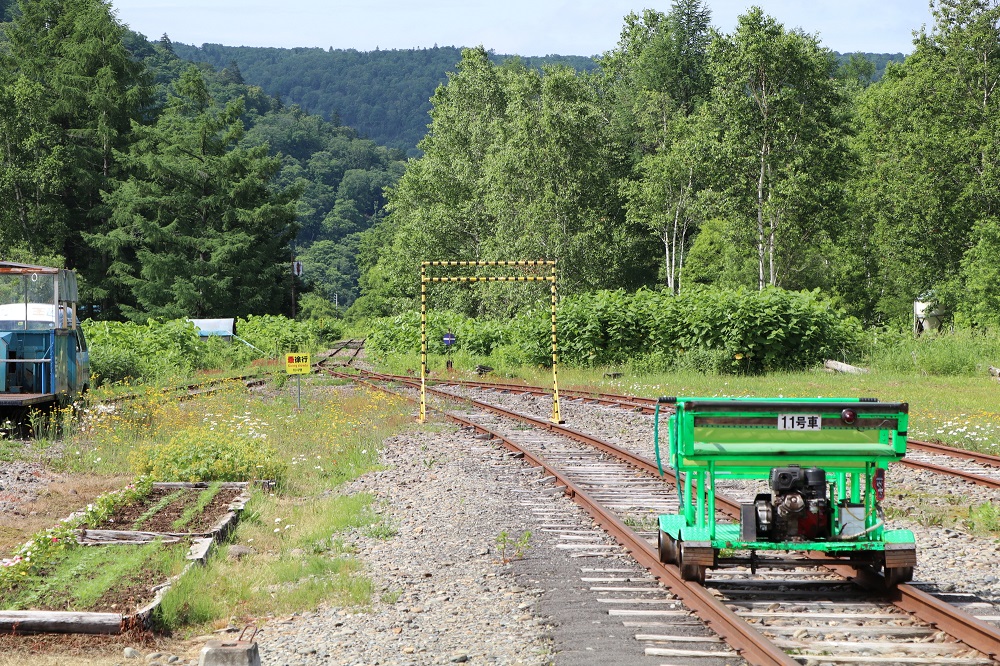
(710, 330)
(703, 329)
(273, 335)
(126, 350)
(202, 454)
(121, 351)
(402, 333)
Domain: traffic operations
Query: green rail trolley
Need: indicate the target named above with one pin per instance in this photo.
(824, 460)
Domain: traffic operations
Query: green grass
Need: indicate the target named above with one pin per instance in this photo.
(82, 576)
(204, 499)
(11, 450)
(298, 560)
(984, 518)
(298, 563)
(164, 502)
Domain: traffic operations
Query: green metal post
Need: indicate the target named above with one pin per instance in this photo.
(710, 488)
(688, 505)
(700, 478)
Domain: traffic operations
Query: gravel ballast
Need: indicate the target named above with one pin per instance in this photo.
(441, 593)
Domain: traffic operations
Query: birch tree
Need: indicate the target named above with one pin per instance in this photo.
(658, 78)
(776, 105)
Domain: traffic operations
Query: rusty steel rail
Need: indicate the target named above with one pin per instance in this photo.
(194, 389)
(355, 343)
(752, 646)
(975, 633)
(931, 447)
(948, 471)
(646, 406)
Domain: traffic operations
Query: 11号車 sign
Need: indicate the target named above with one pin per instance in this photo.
(297, 364)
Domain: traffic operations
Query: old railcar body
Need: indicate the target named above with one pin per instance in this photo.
(44, 359)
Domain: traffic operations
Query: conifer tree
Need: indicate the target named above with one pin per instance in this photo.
(69, 90)
(197, 230)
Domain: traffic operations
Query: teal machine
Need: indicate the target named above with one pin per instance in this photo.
(43, 351)
(824, 461)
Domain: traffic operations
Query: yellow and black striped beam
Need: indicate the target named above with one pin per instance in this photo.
(540, 262)
(499, 278)
(423, 344)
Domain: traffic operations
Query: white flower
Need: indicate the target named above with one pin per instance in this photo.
(277, 520)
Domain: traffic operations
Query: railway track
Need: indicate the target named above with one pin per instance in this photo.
(342, 354)
(333, 358)
(979, 468)
(193, 390)
(802, 615)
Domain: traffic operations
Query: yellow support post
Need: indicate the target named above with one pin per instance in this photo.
(556, 418)
(423, 343)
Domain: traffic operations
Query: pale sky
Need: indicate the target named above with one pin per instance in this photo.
(524, 27)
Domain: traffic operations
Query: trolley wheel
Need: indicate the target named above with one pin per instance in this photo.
(691, 572)
(667, 548)
(896, 575)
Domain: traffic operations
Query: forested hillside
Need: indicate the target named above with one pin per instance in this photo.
(174, 189)
(384, 95)
(691, 158)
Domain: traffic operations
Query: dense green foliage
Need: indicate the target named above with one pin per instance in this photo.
(70, 91)
(383, 94)
(203, 453)
(962, 352)
(742, 160)
(127, 351)
(722, 331)
(173, 189)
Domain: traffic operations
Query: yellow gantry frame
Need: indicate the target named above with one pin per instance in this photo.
(424, 279)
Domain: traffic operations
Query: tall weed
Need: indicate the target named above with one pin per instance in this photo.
(961, 352)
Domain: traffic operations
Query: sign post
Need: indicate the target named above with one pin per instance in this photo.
(298, 364)
(297, 273)
(449, 340)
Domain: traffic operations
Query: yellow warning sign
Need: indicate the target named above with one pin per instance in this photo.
(297, 364)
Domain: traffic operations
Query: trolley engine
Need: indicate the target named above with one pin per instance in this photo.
(797, 508)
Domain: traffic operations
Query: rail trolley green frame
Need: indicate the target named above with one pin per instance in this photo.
(850, 440)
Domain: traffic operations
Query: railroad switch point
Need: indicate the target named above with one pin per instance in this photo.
(229, 653)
